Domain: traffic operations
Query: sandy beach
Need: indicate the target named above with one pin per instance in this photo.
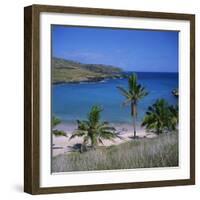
(63, 145)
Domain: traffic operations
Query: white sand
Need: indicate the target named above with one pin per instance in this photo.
(62, 145)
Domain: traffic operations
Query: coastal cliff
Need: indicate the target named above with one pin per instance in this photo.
(68, 71)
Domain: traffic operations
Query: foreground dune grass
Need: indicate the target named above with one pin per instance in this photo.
(161, 151)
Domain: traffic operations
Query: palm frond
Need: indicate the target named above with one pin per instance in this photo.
(124, 92)
(100, 140)
(126, 102)
(160, 117)
(93, 129)
(78, 133)
(94, 115)
(132, 82)
(107, 134)
(102, 126)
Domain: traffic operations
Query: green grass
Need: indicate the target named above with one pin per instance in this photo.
(161, 151)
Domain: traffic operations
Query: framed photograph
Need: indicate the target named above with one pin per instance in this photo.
(109, 99)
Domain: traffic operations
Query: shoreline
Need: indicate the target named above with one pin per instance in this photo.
(90, 80)
(63, 145)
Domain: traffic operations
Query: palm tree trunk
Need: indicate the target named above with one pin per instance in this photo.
(134, 115)
(93, 142)
(134, 125)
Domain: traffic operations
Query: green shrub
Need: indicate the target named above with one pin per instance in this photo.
(59, 133)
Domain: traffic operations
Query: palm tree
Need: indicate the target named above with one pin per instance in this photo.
(161, 117)
(133, 94)
(173, 118)
(93, 130)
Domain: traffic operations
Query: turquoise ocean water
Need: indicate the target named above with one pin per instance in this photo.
(73, 101)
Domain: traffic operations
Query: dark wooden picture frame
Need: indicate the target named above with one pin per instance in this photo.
(32, 96)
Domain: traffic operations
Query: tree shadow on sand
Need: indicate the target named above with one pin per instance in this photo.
(78, 147)
(137, 137)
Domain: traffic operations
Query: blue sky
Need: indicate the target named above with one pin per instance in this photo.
(132, 50)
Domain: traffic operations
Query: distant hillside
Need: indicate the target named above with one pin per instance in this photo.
(71, 71)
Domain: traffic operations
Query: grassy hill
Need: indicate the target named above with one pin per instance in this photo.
(71, 71)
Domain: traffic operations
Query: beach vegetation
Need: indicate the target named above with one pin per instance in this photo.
(93, 130)
(55, 122)
(161, 151)
(161, 117)
(173, 122)
(59, 133)
(133, 95)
